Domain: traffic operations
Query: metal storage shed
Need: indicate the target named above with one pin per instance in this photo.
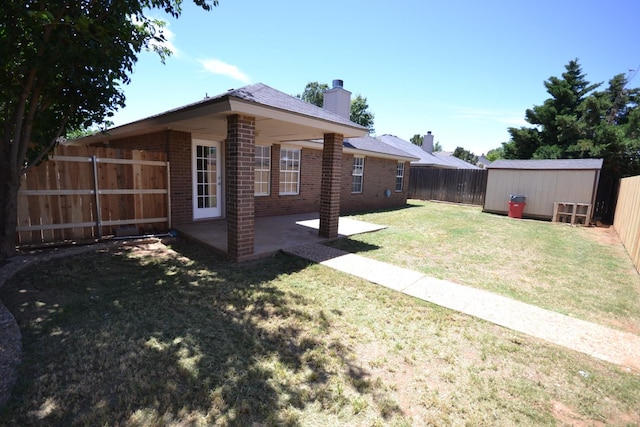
(545, 183)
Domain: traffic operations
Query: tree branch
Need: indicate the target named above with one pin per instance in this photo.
(44, 152)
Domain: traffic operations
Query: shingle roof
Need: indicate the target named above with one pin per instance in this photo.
(548, 164)
(266, 95)
(454, 161)
(368, 143)
(262, 94)
(424, 158)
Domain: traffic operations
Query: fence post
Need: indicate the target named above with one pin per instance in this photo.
(94, 160)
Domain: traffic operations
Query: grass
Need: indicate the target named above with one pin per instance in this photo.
(153, 337)
(578, 271)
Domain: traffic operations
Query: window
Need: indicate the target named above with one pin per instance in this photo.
(357, 174)
(399, 176)
(262, 170)
(289, 171)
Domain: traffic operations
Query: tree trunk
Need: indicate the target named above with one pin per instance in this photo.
(9, 184)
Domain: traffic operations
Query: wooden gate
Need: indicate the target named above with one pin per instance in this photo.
(86, 193)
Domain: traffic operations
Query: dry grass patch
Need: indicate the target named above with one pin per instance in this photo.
(143, 337)
(578, 271)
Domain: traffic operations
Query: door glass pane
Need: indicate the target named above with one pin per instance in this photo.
(207, 176)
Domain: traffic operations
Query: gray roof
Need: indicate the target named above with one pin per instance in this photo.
(262, 94)
(367, 143)
(549, 164)
(266, 95)
(454, 161)
(424, 158)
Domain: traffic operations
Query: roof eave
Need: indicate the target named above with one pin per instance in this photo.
(238, 105)
(378, 154)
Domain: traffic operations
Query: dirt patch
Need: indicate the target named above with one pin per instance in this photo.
(566, 416)
(604, 235)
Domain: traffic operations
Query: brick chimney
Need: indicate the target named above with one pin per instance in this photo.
(427, 143)
(337, 100)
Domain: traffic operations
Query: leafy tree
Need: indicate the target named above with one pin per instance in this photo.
(360, 113)
(495, 154)
(557, 121)
(418, 139)
(465, 155)
(313, 93)
(359, 109)
(63, 65)
(580, 122)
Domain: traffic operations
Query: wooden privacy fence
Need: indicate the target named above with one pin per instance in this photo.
(85, 193)
(627, 218)
(448, 185)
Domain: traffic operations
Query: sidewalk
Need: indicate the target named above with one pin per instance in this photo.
(610, 345)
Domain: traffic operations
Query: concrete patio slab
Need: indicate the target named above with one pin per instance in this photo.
(274, 233)
(346, 226)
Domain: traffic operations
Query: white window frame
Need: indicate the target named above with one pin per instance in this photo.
(262, 169)
(290, 159)
(399, 176)
(357, 175)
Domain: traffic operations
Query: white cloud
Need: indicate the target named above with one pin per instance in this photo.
(216, 66)
(168, 43)
(514, 119)
(160, 27)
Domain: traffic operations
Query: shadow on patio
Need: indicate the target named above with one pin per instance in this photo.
(274, 233)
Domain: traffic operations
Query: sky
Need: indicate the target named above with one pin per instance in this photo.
(464, 70)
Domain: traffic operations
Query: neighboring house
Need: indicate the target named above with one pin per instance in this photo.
(543, 182)
(483, 162)
(256, 151)
(425, 155)
(448, 158)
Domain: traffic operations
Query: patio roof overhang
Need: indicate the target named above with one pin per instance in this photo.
(209, 119)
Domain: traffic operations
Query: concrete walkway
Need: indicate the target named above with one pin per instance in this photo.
(610, 345)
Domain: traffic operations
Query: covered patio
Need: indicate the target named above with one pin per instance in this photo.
(274, 233)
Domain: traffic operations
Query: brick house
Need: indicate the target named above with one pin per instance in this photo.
(256, 151)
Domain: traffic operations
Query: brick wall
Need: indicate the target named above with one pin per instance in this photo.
(331, 178)
(308, 200)
(240, 163)
(177, 146)
(379, 175)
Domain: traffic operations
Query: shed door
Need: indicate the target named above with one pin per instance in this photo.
(207, 181)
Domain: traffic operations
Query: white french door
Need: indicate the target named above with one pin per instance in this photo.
(207, 179)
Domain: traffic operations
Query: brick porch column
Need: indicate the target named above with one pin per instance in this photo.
(240, 152)
(330, 189)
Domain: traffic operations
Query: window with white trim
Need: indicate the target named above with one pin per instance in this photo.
(262, 170)
(289, 171)
(357, 174)
(399, 176)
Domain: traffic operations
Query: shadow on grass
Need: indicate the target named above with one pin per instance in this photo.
(120, 339)
(410, 204)
(352, 246)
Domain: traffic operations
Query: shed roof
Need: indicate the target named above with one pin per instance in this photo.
(547, 164)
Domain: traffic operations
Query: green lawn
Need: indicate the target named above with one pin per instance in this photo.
(579, 271)
(153, 337)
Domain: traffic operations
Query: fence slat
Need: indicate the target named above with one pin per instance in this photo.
(466, 186)
(627, 218)
(57, 199)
